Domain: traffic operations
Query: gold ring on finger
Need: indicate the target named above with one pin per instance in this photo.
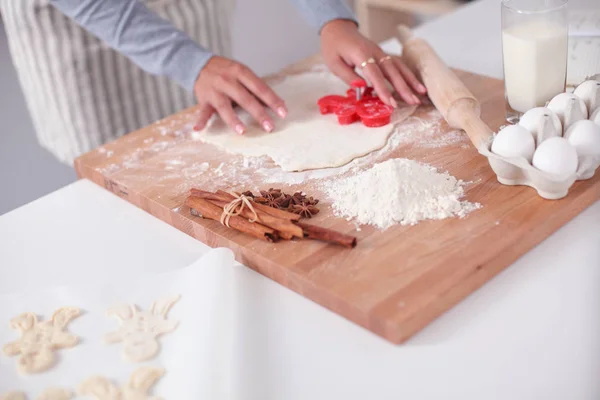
(367, 62)
(384, 59)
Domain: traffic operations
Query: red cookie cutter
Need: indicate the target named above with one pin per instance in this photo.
(360, 104)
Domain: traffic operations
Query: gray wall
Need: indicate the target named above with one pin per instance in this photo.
(268, 35)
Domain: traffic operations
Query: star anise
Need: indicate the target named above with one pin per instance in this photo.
(298, 202)
(275, 192)
(267, 201)
(311, 201)
(266, 197)
(304, 210)
(298, 198)
(248, 193)
(284, 201)
(271, 193)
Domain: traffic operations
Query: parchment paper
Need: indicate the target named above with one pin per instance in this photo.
(197, 356)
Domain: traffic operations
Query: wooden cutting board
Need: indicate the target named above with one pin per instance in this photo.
(394, 282)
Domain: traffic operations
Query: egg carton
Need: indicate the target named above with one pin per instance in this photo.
(518, 170)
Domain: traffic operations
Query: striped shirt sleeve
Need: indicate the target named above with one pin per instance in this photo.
(155, 45)
(132, 29)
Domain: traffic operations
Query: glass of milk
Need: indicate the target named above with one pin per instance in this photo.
(534, 52)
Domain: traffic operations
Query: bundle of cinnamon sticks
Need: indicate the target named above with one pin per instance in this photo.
(259, 220)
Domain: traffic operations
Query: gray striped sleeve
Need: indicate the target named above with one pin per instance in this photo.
(155, 45)
(151, 42)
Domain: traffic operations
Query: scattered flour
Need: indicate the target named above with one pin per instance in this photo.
(107, 153)
(195, 170)
(427, 132)
(219, 169)
(419, 132)
(418, 191)
(398, 191)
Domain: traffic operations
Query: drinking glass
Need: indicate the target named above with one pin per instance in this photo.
(535, 37)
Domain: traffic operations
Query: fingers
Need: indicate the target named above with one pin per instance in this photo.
(206, 111)
(222, 82)
(373, 73)
(223, 106)
(409, 76)
(248, 102)
(260, 89)
(343, 71)
(390, 70)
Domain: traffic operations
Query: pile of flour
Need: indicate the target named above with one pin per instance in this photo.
(398, 191)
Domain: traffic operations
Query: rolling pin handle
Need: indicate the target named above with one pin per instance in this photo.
(465, 114)
(447, 92)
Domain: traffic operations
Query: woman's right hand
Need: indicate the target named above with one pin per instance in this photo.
(222, 82)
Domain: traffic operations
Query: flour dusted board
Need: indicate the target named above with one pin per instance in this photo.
(394, 282)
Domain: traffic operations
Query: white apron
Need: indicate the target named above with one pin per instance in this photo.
(80, 93)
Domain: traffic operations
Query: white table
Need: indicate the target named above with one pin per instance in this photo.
(533, 332)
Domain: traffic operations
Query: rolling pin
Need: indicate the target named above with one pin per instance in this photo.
(454, 101)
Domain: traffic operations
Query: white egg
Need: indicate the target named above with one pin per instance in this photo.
(589, 92)
(569, 109)
(585, 137)
(596, 116)
(556, 156)
(514, 141)
(542, 122)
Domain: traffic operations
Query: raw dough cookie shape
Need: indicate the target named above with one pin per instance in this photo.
(55, 394)
(139, 330)
(13, 396)
(140, 382)
(48, 394)
(39, 339)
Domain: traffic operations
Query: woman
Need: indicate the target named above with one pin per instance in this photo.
(93, 70)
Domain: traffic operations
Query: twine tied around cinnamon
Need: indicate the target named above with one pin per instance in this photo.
(236, 207)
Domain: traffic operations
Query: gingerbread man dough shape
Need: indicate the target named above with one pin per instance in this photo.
(140, 382)
(48, 394)
(39, 339)
(55, 394)
(13, 396)
(139, 330)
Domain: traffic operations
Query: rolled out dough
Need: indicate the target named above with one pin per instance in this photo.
(305, 139)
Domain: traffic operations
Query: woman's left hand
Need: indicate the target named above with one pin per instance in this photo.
(344, 49)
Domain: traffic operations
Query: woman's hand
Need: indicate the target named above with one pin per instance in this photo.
(344, 48)
(222, 82)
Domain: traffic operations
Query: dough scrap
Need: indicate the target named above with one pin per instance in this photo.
(139, 329)
(305, 139)
(39, 339)
(140, 383)
(13, 396)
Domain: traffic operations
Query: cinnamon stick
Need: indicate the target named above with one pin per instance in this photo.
(286, 236)
(212, 211)
(284, 226)
(327, 235)
(221, 195)
(203, 194)
(221, 198)
(269, 210)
